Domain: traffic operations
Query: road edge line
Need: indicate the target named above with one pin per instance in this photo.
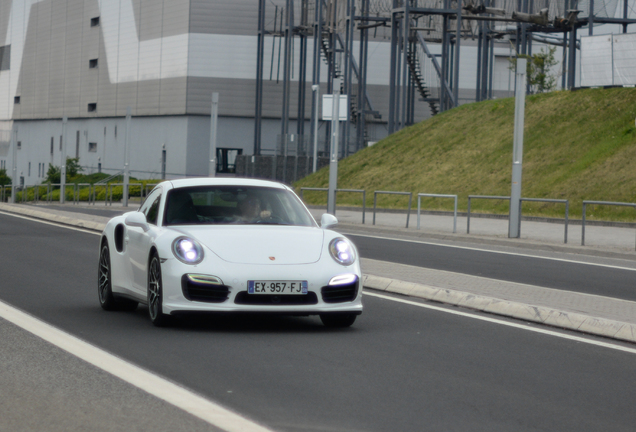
(159, 387)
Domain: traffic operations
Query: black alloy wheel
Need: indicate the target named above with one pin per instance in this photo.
(338, 320)
(155, 293)
(104, 285)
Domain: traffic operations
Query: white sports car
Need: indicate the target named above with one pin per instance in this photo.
(223, 245)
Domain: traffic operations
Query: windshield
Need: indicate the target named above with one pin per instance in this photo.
(246, 205)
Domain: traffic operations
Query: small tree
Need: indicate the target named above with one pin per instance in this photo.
(72, 167)
(4, 178)
(54, 174)
(538, 70)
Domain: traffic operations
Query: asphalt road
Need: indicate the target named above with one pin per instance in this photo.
(399, 368)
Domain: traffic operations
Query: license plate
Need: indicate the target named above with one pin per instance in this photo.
(277, 287)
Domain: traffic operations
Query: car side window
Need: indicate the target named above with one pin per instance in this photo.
(150, 207)
(153, 211)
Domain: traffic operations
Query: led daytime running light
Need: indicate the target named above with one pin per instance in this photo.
(344, 279)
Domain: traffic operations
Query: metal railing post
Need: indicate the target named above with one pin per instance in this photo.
(622, 204)
(375, 200)
(419, 197)
(493, 197)
(364, 204)
(583, 226)
(468, 217)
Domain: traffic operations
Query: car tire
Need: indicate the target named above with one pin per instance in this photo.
(105, 287)
(340, 320)
(155, 293)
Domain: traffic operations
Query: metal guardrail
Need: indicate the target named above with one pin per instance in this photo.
(364, 198)
(77, 189)
(585, 203)
(375, 199)
(362, 191)
(419, 198)
(111, 186)
(481, 197)
(548, 200)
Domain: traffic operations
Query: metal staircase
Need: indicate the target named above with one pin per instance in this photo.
(415, 69)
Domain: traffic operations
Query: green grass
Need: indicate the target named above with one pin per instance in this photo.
(577, 145)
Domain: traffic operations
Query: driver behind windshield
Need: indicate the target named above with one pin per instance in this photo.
(251, 210)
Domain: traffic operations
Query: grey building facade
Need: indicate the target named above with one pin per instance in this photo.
(90, 60)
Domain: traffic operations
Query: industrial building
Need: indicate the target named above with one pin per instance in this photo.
(91, 60)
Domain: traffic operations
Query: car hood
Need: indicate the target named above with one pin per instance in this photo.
(260, 244)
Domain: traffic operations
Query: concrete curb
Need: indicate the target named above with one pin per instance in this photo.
(50, 217)
(539, 314)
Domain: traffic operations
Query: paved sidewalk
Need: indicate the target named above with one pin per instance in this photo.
(592, 314)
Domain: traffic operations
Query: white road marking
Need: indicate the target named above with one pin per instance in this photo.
(506, 323)
(161, 388)
(493, 251)
(57, 224)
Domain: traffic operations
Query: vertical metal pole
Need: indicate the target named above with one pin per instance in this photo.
(315, 93)
(126, 158)
(289, 26)
(468, 217)
(572, 58)
(348, 72)
(392, 75)
(444, 78)
(456, 62)
(491, 67)
(455, 216)
(333, 159)
(316, 78)
(583, 226)
(302, 86)
(479, 62)
(214, 116)
(419, 204)
(567, 216)
(163, 164)
(517, 153)
(63, 165)
(362, 79)
(564, 64)
(14, 162)
(406, 21)
(591, 19)
(260, 52)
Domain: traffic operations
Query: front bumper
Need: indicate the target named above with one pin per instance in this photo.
(321, 297)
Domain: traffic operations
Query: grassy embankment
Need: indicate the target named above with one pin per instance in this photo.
(578, 145)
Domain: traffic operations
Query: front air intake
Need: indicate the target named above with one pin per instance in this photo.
(204, 289)
(340, 293)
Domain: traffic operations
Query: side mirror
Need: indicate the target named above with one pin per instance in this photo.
(137, 219)
(328, 221)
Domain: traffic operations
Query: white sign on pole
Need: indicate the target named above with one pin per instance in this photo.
(327, 107)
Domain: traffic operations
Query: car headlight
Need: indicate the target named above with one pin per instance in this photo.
(342, 251)
(187, 251)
